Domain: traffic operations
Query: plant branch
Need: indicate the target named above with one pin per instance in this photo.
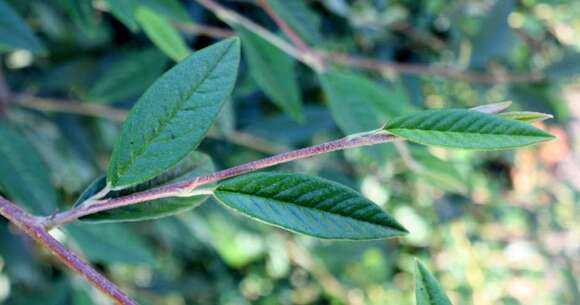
(33, 228)
(316, 58)
(118, 115)
(232, 18)
(186, 187)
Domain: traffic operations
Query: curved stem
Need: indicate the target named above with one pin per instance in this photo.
(32, 226)
(178, 189)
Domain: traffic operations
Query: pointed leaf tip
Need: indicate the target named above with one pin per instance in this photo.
(428, 291)
(466, 129)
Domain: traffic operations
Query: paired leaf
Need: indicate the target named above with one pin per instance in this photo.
(129, 76)
(274, 72)
(197, 164)
(24, 176)
(427, 289)
(162, 33)
(308, 205)
(526, 116)
(14, 33)
(172, 117)
(458, 128)
(300, 18)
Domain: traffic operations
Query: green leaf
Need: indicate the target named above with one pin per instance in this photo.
(526, 116)
(359, 104)
(162, 33)
(274, 72)
(172, 9)
(172, 117)
(300, 18)
(14, 33)
(495, 37)
(459, 128)
(24, 176)
(129, 76)
(427, 289)
(197, 164)
(111, 243)
(308, 205)
(124, 10)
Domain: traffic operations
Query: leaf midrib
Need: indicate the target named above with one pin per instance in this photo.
(165, 123)
(382, 226)
(469, 133)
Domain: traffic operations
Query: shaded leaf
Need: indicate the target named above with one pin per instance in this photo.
(495, 37)
(124, 10)
(162, 33)
(459, 128)
(129, 76)
(24, 176)
(172, 117)
(308, 205)
(359, 104)
(197, 164)
(14, 33)
(300, 18)
(274, 72)
(111, 243)
(427, 289)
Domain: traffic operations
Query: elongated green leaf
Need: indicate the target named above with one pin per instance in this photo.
(24, 176)
(162, 33)
(172, 117)
(14, 33)
(526, 116)
(358, 104)
(111, 243)
(307, 205)
(197, 164)
(427, 289)
(129, 76)
(459, 128)
(274, 72)
(300, 18)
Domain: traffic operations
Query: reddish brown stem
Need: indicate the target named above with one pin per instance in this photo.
(32, 227)
(183, 188)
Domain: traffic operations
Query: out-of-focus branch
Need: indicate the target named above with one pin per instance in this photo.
(316, 58)
(66, 106)
(420, 69)
(118, 115)
(206, 30)
(5, 93)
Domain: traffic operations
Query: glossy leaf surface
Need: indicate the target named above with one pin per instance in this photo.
(308, 205)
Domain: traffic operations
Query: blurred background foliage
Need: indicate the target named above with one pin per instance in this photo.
(495, 227)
